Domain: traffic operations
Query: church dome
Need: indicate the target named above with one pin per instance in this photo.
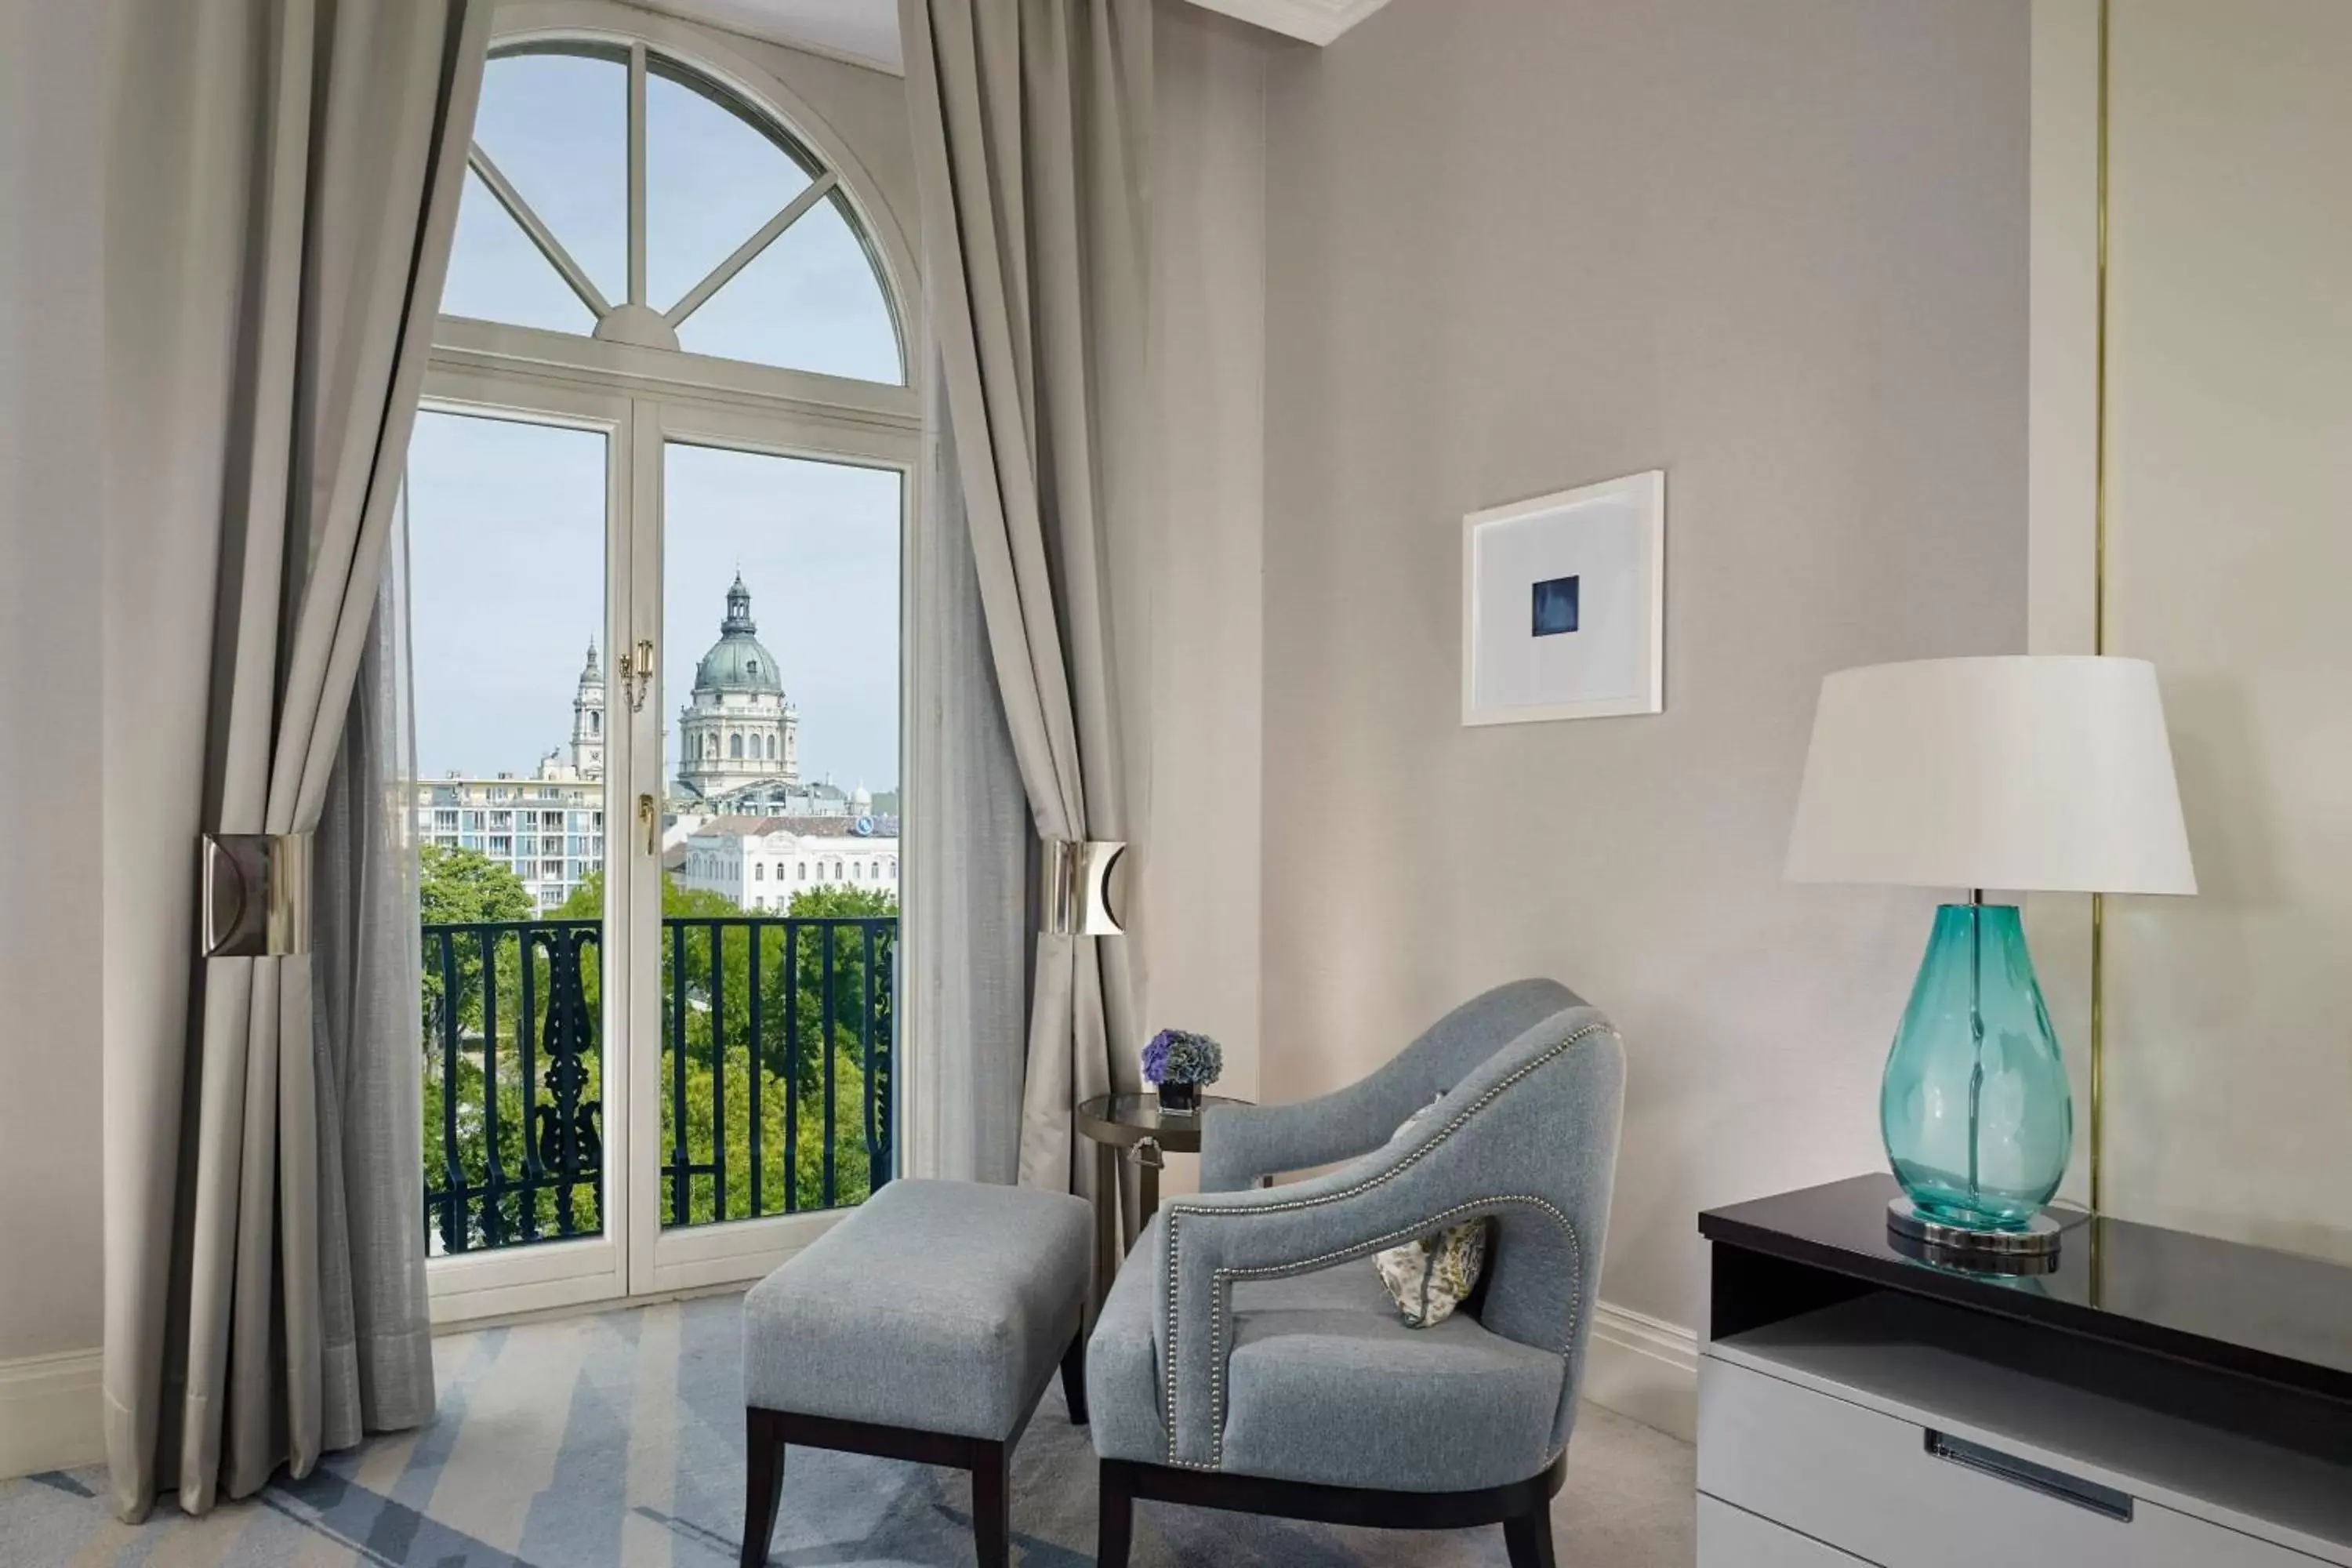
(739, 661)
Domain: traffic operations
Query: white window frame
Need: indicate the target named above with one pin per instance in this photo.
(645, 397)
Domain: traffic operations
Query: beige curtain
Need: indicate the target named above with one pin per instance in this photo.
(283, 179)
(1032, 121)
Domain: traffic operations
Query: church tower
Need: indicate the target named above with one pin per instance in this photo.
(588, 720)
(738, 729)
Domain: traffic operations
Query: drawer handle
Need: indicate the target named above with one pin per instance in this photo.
(2099, 1500)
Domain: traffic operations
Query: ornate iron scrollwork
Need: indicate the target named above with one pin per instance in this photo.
(565, 1138)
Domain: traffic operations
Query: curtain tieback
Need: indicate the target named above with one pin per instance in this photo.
(257, 894)
(1075, 895)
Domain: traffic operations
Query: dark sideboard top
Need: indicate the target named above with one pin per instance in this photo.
(2281, 1317)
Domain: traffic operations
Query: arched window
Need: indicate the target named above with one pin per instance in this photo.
(738, 240)
(677, 308)
(596, 720)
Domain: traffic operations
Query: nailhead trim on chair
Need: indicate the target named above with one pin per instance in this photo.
(1221, 1281)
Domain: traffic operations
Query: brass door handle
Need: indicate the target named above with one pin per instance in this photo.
(650, 815)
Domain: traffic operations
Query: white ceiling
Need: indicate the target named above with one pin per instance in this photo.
(862, 32)
(1317, 21)
(865, 32)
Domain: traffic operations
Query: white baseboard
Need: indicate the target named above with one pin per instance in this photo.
(50, 1414)
(1644, 1368)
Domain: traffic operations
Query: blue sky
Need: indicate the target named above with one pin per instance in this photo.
(506, 518)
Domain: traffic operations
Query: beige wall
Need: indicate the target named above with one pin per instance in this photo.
(1779, 251)
(1199, 776)
(50, 648)
(2230, 551)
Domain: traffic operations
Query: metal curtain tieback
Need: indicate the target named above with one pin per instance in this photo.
(257, 894)
(1074, 892)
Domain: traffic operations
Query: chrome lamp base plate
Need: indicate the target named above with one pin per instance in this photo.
(2035, 1241)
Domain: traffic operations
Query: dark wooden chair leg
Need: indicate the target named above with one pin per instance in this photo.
(1527, 1538)
(763, 1485)
(1073, 1378)
(1116, 1532)
(991, 1505)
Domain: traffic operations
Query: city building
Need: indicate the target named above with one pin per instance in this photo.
(760, 862)
(823, 798)
(549, 828)
(738, 728)
(588, 720)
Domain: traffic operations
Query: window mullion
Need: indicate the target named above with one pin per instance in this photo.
(540, 235)
(744, 253)
(637, 175)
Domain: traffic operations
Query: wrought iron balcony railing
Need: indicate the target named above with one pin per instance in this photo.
(776, 1032)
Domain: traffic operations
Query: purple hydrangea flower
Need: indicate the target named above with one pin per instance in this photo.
(1180, 1056)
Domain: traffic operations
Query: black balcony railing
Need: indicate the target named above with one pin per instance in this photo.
(778, 1038)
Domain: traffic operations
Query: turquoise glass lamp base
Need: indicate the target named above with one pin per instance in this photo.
(1975, 1109)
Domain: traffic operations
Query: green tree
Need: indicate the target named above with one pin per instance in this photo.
(798, 1058)
(518, 1215)
(803, 1154)
(464, 898)
(463, 888)
(813, 1062)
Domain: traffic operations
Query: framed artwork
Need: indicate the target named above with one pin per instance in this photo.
(1563, 605)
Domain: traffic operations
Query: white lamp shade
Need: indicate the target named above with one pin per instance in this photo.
(2033, 773)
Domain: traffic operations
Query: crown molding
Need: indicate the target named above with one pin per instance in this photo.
(1315, 21)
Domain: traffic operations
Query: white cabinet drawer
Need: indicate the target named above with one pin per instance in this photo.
(1729, 1538)
(1865, 1482)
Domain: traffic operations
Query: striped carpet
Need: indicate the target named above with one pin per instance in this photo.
(618, 1439)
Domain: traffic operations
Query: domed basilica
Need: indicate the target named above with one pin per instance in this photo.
(739, 728)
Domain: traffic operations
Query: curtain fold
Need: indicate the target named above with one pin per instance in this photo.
(967, 874)
(283, 187)
(1032, 121)
(376, 1357)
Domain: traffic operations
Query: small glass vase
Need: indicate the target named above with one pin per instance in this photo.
(1975, 1109)
(1179, 1098)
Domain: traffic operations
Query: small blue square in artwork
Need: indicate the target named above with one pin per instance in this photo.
(1555, 607)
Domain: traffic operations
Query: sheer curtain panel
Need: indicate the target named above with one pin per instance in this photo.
(282, 186)
(967, 911)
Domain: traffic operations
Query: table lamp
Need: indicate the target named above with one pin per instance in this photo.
(2035, 773)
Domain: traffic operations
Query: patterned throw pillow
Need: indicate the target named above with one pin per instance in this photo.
(1430, 1276)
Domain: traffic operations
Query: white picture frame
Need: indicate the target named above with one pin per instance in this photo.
(1563, 605)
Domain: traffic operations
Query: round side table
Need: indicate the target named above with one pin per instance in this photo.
(1134, 1121)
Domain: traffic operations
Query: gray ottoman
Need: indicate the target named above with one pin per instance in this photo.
(922, 1327)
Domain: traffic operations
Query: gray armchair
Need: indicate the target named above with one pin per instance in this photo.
(1248, 1356)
